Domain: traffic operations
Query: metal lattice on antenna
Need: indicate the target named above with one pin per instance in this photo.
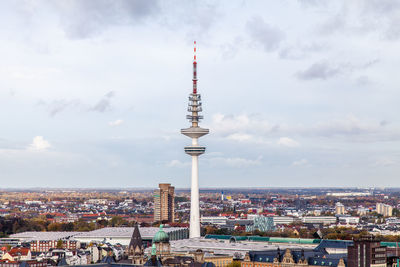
(194, 69)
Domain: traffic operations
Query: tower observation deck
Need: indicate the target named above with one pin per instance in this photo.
(194, 150)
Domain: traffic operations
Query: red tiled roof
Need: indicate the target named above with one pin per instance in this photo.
(19, 251)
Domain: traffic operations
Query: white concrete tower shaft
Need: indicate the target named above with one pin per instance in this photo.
(194, 150)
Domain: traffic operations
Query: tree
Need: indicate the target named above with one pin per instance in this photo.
(54, 227)
(59, 244)
(117, 221)
(396, 212)
(234, 264)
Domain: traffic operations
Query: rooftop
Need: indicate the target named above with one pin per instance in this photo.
(145, 232)
(230, 248)
(123, 232)
(27, 236)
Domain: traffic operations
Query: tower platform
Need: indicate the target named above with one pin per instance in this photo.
(195, 132)
(195, 150)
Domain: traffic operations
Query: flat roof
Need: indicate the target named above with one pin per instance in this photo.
(27, 236)
(121, 232)
(145, 232)
(230, 248)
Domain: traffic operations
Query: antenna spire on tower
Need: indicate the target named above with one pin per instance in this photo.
(194, 70)
(194, 50)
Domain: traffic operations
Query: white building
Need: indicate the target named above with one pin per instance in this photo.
(326, 220)
(384, 209)
(339, 208)
(349, 219)
(218, 220)
(283, 220)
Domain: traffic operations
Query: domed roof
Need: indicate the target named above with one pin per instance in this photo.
(161, 236)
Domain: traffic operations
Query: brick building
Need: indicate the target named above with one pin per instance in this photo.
(45, 245)
(366, 252)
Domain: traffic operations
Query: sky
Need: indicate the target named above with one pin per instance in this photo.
(295, 93)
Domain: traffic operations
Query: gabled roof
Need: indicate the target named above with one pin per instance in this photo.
(19, 252)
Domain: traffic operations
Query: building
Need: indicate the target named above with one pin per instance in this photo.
(194, 150)
(161, 241)
(18, 254)
(325, 220)
(43, 241)
(261, 223)
(283, 220)
(339, 208)
(217, 220)
(362, 211)
(162, 254)
(24, 263)
(135, 248)
(112, 235)
(45, 245)
(288, 258)
(164, 204)
(348, 220)
(384, 209)
(366, 252)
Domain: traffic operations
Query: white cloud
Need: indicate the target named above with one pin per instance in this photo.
(384, 162)
(264, 34)
(300, 162)
(350, 125)
(235, 162)
(240, 137)
(39, 144)
(258, 130)
(240, 126)
(177, 163)
(288, 142)
(116, 122)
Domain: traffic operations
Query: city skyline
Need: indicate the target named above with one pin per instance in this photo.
(93, 95)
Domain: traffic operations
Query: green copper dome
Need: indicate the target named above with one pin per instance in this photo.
(161, 236)
(153, 250)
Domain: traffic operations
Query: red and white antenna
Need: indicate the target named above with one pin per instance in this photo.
(194, 50)
(194, 70)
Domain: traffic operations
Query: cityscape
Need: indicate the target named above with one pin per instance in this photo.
(294, 101)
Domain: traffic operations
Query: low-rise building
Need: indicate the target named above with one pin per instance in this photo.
(18, 254)
(288, 258)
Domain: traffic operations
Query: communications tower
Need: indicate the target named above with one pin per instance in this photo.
(194, 150)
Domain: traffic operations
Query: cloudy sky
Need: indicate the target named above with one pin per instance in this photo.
(295, 93)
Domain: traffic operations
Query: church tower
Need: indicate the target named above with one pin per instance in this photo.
(135, 248)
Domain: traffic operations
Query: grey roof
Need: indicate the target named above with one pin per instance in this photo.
(145, 232)
(226, 247)
(27, 236)
(342, 244)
